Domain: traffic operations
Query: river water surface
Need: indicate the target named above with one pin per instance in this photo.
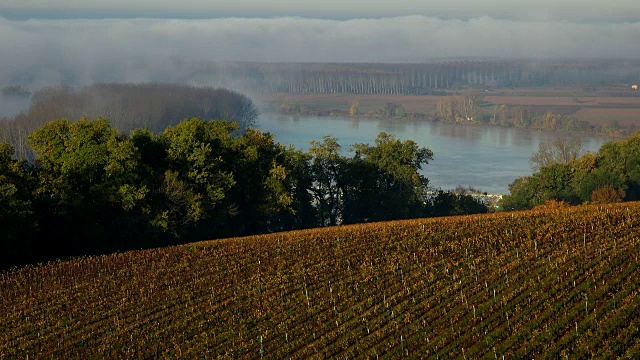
(488, 158)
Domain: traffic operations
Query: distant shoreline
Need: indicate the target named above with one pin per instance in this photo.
(589, 114)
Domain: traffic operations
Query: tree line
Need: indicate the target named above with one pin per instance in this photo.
(92, 189)
(564, 175)
(469, 108)
(128, 106)
(409, 79)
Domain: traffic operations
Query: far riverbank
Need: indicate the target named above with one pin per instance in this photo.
(605, 116)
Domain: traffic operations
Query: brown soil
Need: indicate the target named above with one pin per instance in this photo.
(624, 117)
(366, 103)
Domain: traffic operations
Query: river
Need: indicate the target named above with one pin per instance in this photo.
(487, 158)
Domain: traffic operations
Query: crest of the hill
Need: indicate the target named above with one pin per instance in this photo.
(545, 283)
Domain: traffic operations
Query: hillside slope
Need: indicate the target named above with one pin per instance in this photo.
(542, 283)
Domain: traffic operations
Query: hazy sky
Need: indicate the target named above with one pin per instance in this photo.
(80, 42)
(614, 10)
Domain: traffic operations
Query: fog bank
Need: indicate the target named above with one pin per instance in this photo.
(40, 52)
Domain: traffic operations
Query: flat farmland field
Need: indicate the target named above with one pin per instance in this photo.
(538, 100)
(592, 109)
(624, 116)
(366, 103)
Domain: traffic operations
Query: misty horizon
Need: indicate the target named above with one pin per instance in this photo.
(547, 10)
(41, 52)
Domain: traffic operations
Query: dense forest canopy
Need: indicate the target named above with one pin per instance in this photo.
(93, 189)
(90, 188)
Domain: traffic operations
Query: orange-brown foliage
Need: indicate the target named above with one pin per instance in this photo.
(607, 194)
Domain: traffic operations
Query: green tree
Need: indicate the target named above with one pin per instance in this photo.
(17, 224)
(622, 158)
(263, 190)
(220, 183)
(197, 179)
(89, 191)
(586, 184)
(327, 167)
(458, 202)
(297, 183)
(359, 183)
(522, 194)
(553, 182)
(395, 189)
(617, 164)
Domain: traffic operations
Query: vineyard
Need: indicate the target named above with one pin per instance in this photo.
(547, 283)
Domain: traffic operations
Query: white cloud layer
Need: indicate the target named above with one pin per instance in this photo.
(514, 9)
(77, 51)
